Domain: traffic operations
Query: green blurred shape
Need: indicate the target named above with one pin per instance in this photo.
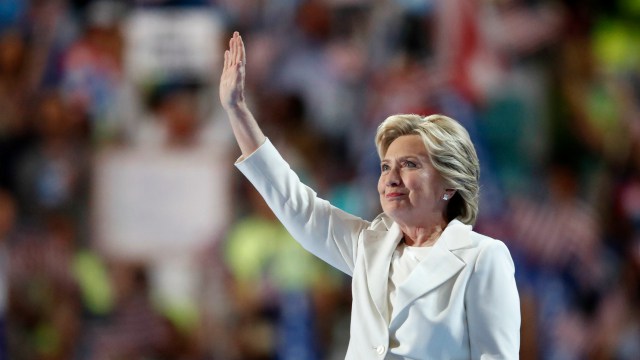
(630, 7)
(94, 282)
(616, 45)
(260, 249)
(184, 315)
(45, 339)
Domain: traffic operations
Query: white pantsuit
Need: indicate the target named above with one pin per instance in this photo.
(460, 302)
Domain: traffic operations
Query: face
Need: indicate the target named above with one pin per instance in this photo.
(410, 189)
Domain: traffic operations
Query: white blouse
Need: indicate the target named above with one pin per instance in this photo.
(405, 258)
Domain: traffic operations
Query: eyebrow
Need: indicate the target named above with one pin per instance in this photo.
(406, 157)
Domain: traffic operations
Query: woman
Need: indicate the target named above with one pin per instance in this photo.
(425, 286)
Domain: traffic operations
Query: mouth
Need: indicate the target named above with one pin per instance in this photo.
(394, 195)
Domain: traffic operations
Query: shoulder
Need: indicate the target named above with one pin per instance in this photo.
(490, 252)
(475, 249)
(482, 241)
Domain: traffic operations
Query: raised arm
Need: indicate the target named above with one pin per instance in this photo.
(321, 228)
(245, 127)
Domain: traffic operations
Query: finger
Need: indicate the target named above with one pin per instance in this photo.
(236, 48)
(226, 60)
(239, 50)
(232, 50)
(243, 53)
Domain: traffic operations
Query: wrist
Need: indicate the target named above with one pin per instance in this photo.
(235, 106)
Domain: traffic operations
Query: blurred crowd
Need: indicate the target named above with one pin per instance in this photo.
(549, 90)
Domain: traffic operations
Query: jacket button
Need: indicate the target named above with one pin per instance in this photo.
(380, 349)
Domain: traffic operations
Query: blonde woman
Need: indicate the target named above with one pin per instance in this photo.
(424, 284)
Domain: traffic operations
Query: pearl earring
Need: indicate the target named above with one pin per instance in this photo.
(445, 197)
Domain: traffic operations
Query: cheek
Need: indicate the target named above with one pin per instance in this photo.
(422, 184)
(414, 182)
(381, 185)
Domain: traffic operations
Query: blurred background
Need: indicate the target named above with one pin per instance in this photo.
(126, 232)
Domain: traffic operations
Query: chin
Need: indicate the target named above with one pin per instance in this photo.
(393, 212)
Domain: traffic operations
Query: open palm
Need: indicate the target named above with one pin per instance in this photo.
(233, 73)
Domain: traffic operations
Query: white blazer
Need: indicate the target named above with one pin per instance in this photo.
(460, 302)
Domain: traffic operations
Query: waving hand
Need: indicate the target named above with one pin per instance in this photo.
(233, 73)
(245, 128)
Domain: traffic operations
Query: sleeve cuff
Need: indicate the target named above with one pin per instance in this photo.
(266, 144)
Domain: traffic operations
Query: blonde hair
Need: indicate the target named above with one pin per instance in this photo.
(451, 152)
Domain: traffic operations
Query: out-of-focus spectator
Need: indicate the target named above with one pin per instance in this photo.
(51, 26)
(175, 119)
(44, 298)
(599, 103)
(53, 173)
(13, 68)
(14, 95)
(92, 69)
(135, 329)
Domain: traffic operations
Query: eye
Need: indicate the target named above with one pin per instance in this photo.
(384, 167)
(410, 164)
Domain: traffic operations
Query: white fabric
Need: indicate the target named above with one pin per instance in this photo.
(404, 260)
(460, 302)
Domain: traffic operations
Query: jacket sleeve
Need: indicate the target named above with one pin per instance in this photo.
(322, 229)
(493, 305)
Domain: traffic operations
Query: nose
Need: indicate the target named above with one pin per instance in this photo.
(393, 177)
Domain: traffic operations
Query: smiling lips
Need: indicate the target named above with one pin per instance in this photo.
(394, 195)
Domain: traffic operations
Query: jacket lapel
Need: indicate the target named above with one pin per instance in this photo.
(378, 249)
(440, 265)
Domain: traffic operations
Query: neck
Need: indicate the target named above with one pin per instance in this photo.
(423, 235)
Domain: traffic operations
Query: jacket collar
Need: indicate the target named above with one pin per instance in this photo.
(378, 249)
(440, 265)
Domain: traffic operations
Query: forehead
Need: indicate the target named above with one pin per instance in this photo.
(407, 145)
